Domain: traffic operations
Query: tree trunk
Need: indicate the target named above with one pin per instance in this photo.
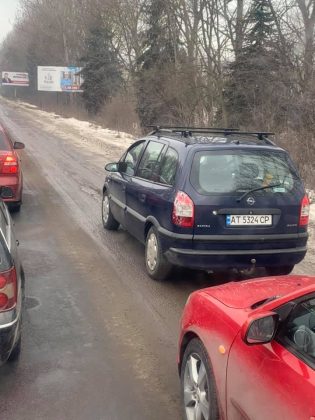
(239, 29)
(308, 13)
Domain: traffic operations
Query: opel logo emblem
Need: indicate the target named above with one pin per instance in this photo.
(251, 201)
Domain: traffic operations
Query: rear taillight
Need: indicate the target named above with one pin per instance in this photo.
(305, 211)
(10, 165)
(183, 211)
(8, 290)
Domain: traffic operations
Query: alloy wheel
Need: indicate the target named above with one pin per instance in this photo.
(152, 251)
(196, 389)
(105, 209)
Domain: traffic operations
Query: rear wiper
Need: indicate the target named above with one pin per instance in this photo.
(258, 189)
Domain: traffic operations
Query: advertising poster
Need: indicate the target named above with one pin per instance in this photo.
(59, 79)
(12, 78)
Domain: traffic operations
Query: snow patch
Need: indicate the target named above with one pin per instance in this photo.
(83, 134)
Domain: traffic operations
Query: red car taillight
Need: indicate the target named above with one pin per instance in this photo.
(183, 211)
(305, 211)
(8, 290)
(10, 165)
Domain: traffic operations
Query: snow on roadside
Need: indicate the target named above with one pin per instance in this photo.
(83, 134)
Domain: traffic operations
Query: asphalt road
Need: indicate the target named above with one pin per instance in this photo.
(99, 337)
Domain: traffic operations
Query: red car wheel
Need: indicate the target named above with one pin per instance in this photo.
(198, 388)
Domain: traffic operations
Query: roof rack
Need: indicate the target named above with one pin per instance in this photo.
(259, 134)
(179, 129)
(188, 131)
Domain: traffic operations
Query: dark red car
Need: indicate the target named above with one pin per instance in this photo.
(11, 177)
(247, 350)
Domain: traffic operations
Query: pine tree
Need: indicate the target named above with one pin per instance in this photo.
(254, 75)
(262, 30)
(101, 72)
(158, 45)
(155, 64)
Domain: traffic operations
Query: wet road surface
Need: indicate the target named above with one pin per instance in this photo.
(99, 337)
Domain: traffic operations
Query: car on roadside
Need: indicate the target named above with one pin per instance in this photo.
(247, 350)
(12, 286)
(209, 199)
(11, 177)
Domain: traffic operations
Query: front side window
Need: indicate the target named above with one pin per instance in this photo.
(150, 163)
(235, 172)
(298, 334)
(131, 158)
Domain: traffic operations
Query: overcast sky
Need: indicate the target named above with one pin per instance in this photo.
(7, 14)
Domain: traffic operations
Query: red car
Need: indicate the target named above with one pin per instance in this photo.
(247, 350)
(10, 170)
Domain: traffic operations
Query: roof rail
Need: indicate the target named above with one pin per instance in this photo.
(262, 135)
(257, 133)
(178, 129)
(188, 131)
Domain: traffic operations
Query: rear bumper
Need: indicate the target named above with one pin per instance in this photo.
(233, 251)
(202, 259)
(14, 184)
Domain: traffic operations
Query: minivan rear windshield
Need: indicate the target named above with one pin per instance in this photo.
(228, 171)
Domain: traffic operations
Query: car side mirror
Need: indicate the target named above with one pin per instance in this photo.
(260, 328)
(112, 167)
(18, 145)
(6, 192)
(116, 167)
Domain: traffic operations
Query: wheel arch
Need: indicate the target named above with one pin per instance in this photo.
(187, 338)
(151, 221)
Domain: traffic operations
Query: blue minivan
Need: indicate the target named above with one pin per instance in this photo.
(209, 199)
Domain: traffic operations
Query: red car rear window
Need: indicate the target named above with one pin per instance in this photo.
(4, 142)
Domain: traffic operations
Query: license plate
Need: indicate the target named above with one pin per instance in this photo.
(249, 220)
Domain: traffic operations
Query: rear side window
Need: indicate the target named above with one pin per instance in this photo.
(3, 221)
(5, 260)
(168, 167)
(150, 162)
(227, 171)
(4, 142)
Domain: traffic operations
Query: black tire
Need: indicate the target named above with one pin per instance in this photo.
(280, 271)
(15, 353)
(109, 222)
(162, 268)
(197, 351)
(23, 284)
(15, 207)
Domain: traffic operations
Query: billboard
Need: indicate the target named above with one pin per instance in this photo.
(59, 79)
(12, 78)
